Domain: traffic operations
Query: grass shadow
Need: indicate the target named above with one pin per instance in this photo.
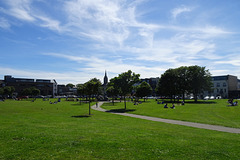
(121, 110)
(81, 116)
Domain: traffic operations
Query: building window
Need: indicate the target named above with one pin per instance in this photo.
(225, 90)
(218, 84)
(224, 84)
(217, 90)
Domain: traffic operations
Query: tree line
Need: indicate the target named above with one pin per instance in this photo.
(173, 83)
(184, 80)
(9, 90)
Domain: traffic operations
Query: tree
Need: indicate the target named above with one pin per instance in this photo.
(8, 90)
(1, 91)
(183, 81)
(199, 80)
(26, 92)
(80, 90)
(70, 85)
(31, 91)
(111, 91)
(144, 89)
(35, 91)
(92, 88)
(167, 85)
(124, 83)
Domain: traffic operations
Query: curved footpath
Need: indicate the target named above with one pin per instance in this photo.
(190, 124)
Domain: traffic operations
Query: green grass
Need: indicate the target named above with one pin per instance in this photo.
(210, 112)
(39, 130)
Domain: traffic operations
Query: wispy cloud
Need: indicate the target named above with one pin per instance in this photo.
(24, 11)
(4, 23)
(231, 59)
(179, 10)
(95, 65)
(105, 21)
(19, 9)
(113, 28)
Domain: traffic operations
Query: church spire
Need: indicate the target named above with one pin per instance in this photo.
(105, 80)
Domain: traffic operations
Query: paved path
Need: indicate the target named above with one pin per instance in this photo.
(190, 124)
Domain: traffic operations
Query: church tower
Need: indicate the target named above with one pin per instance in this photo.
(105, 79)
(105, 82)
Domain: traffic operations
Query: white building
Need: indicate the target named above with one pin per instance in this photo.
(226, 86)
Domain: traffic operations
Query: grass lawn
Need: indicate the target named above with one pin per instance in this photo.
(210, 112)
(39, 130)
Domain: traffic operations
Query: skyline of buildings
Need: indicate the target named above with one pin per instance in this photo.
(224, 86)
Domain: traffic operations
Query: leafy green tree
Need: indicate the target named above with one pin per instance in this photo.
(192, 79)
(80, 90)
(70, 85)
(92, 88)
(112, 92)
(199, 80)
(167, 85)
(35, 91)
(182, 81)
(124, 83)
(144, 89)
(8, 90)
(1, 91)
(32, 91)
(26, 92)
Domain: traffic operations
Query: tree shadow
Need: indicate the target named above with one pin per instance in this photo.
(110, 104)
(121, 110)
(201, 102)
(191, 102)
(81, 116)
(78, 104)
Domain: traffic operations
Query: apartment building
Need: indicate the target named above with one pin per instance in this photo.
(226, 86)
(46, 87)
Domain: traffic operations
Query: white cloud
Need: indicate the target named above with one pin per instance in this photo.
(182, 9)
(113, 26)
(61, 78)
(49, 23)
(23, 10)
(232, 59)
(4, 23)
(96, 65)
(105, 21)
(19, 9)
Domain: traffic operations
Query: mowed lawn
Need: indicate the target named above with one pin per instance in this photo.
(39, 130)
(217, 112)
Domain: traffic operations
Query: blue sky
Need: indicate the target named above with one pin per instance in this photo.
(73, 41)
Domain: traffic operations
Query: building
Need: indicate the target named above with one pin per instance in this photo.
(46, 87)
(64, 90)
(226, 86)
(105, 83)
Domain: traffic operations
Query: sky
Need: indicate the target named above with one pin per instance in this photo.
(73, 41)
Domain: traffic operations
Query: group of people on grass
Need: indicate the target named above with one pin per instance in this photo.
(166, 106)
(232, 103)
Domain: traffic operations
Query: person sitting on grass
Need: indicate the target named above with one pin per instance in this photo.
(235, 103)
(183, 102)
(173, 106)
(165, 106)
